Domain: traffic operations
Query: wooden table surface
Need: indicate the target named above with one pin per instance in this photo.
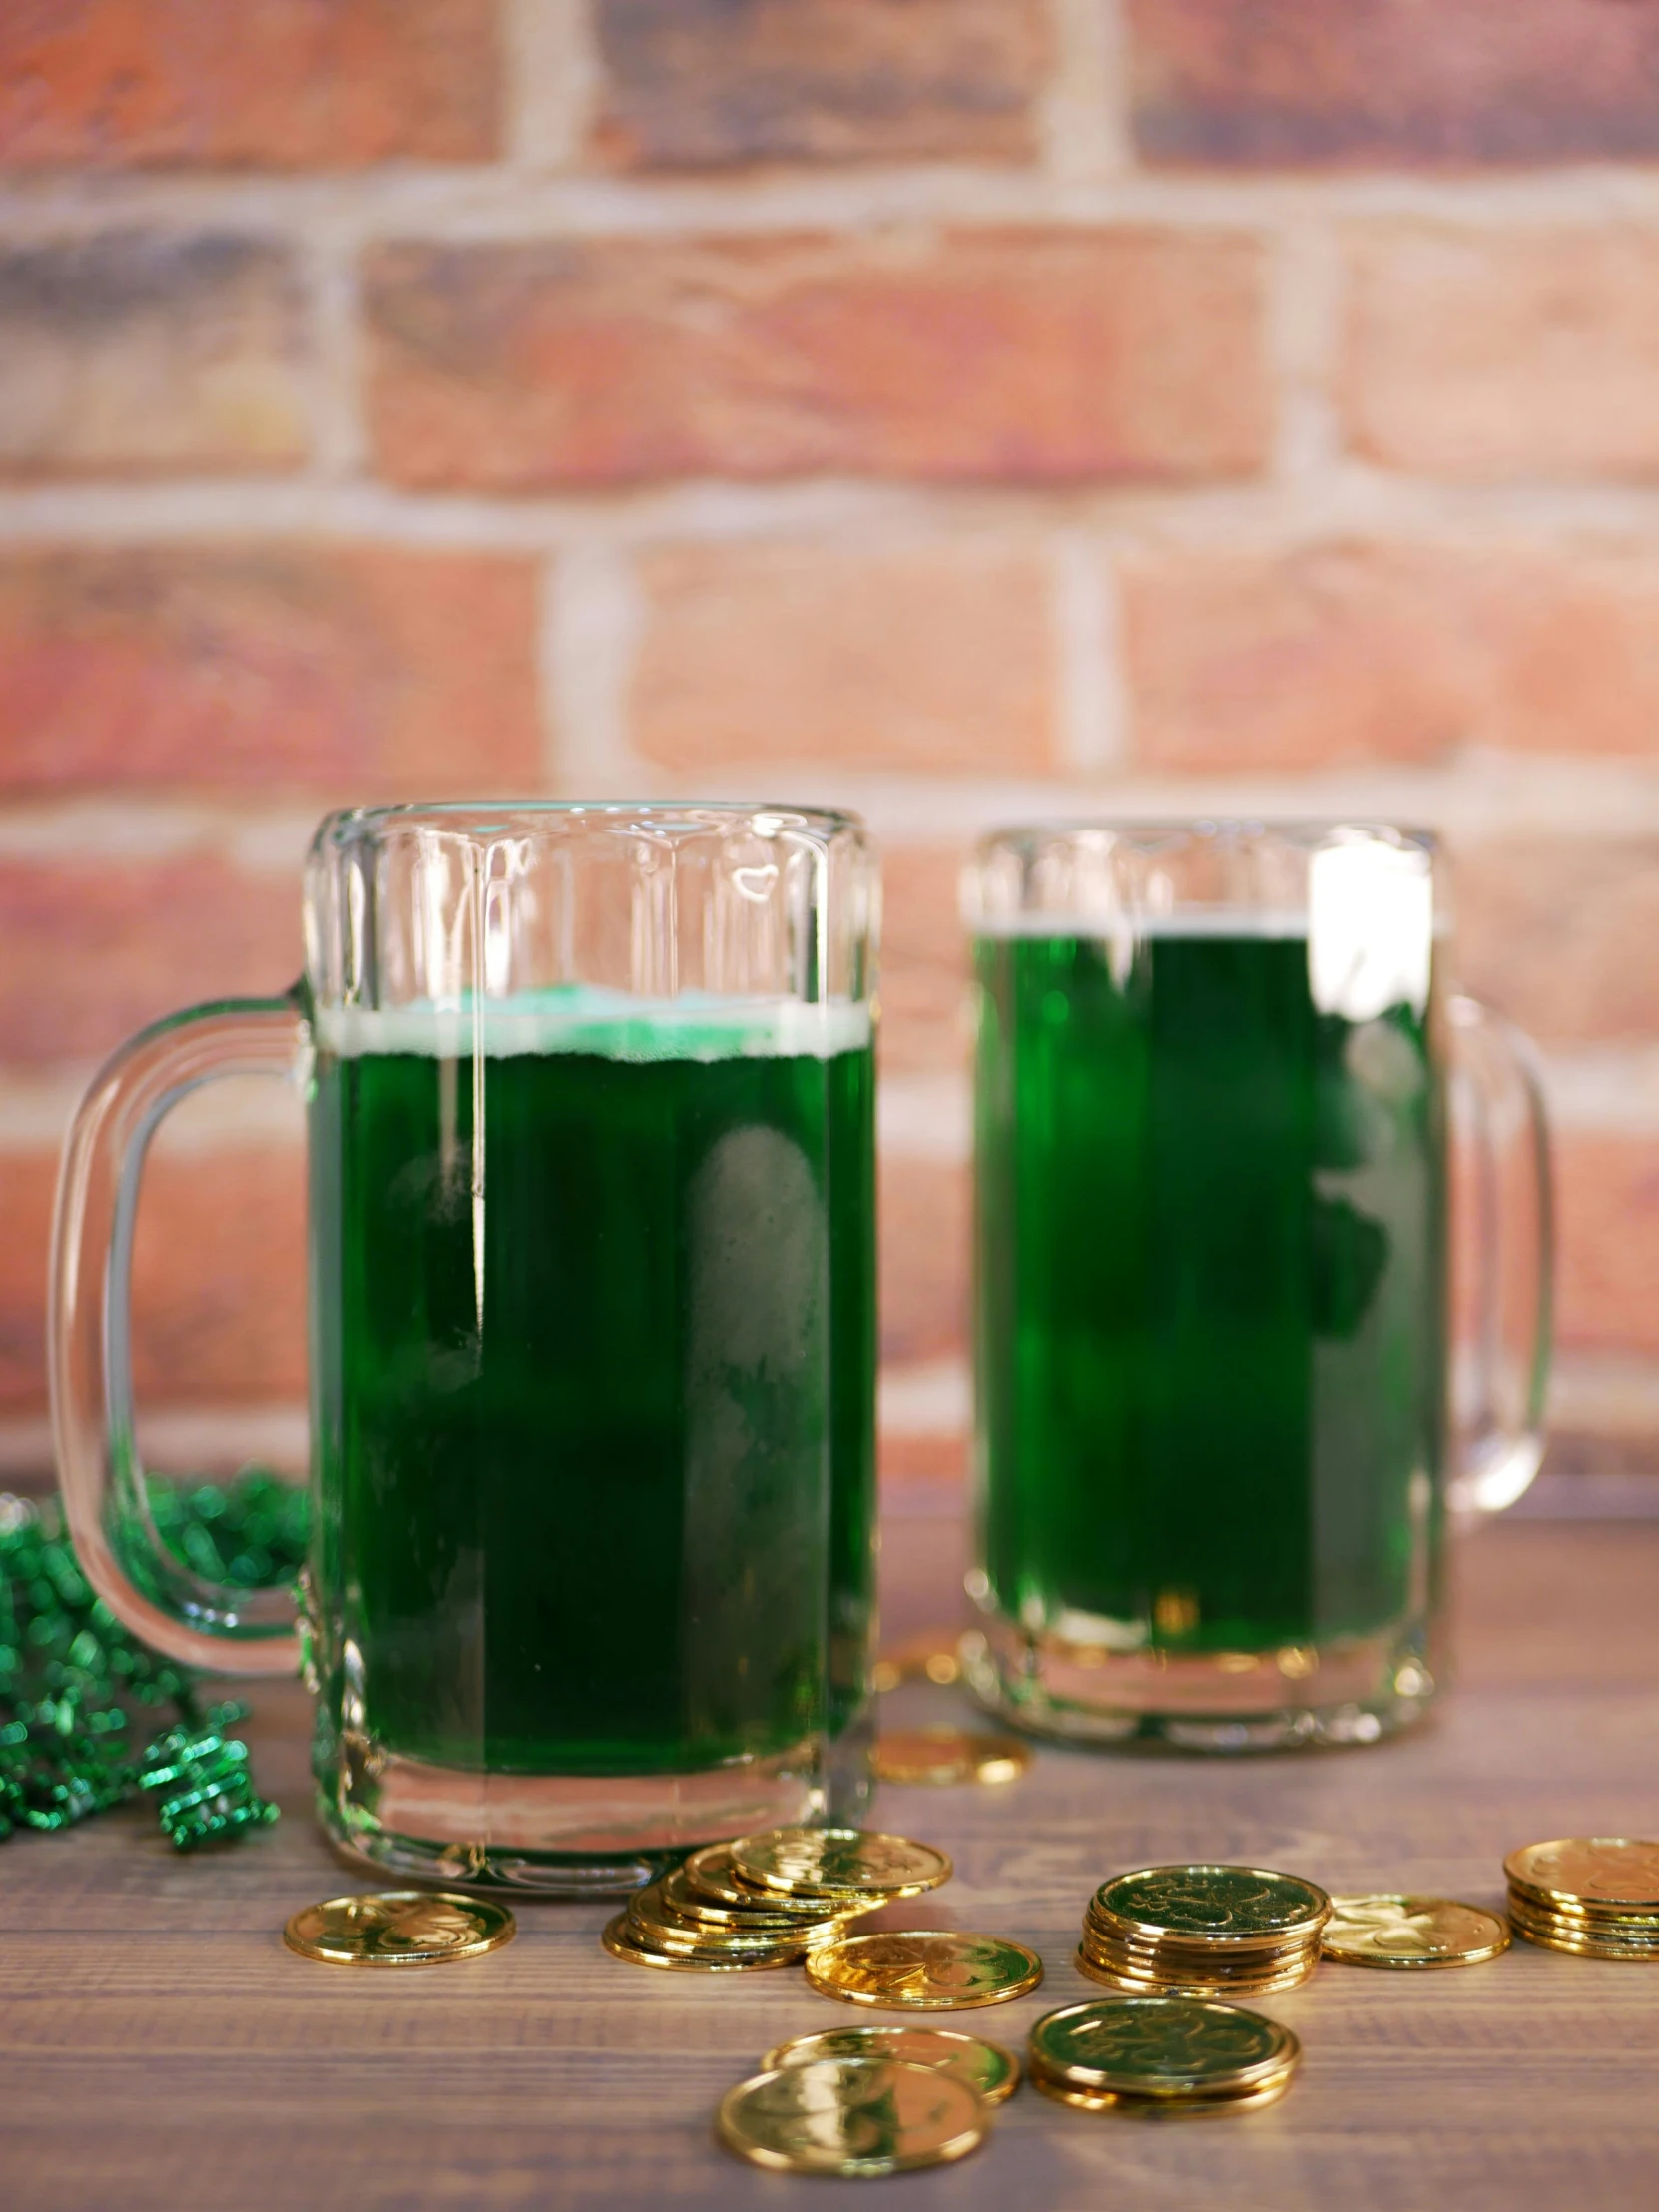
(160, 2047)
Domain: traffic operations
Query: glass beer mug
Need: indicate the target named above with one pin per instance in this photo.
(1216, 1442)
(593, 1341)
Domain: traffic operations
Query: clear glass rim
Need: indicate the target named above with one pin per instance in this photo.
(345, 824)
(1293, 830)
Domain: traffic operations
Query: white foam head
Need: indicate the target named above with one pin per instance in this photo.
(611, 1025)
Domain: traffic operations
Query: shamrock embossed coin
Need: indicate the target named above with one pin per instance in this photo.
(1157, 2046)
(1589, 1870)
(711, 1874)
(1412, 1933)
(856, 2117)
(985, 2067)
(821, 1861)
(398, 1928)
(1233, 1907)
(924, 1970)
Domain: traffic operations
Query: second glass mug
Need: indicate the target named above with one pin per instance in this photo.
(593, 1331)
(1220, 1428)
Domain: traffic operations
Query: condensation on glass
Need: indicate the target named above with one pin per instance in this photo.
(1229, 1382)
(592, 1151)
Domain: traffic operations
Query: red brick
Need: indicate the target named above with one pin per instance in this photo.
(1608, 1285)
(1015, 355)
(218, 1279)
(1286, 83)
(1478, 354)
(283, 84)
(924, 1209)
(364, 671)
(923, 658)
(1560, 934)
(1344, 653)
(701, 84)
(92, 950)
(26, 1187)
(924, 960)
(132, 353)
(941, 1459)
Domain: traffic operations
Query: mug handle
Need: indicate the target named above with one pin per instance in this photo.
(1500, 1370)
(89, 1335)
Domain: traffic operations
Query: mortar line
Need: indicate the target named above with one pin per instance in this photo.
(551, 82)
(1345, 499)
(1085, 117)
(503, 200)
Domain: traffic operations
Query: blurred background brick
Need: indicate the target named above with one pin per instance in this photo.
(928, 658)
(93, 947)
(1329, 653)
(1564, 934)
(924, 965)
(272, 667)
(924, 1238)
(1519, 355)
(1609, 1289)
(707, 84)
(1065, 357)
(147, 353)
(1394, 81)
(958, 409)
(283, 84)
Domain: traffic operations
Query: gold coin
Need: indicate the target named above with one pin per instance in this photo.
(1232, 1907)
(1589, 1870)
(1201, 1958)
(943, 1755)
(858, 2117)
(1579, 1946)
(652, 1905)
(928, 1970)
(624, 1942)
(682, 1899)
(821, 1862)
(656, 1931)
(1614, 1918)
(1588, 1919)
(931, 1658)
(1188, 1984)
(1160, 2047)
(400, 1927)
(1571, 1936)
(1162, 2108)
(1412, 1933)
(984, 2067)
(711, 1873)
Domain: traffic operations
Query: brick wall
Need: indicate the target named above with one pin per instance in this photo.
(952, 407)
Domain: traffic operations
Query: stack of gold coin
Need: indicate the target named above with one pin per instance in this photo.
(1596, 1896)
(836, 1868)
(1202, 1932)
(767, 1900)
(1161, 2057)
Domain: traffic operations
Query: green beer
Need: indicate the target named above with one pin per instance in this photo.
(1211, 1306)
(594, 1401)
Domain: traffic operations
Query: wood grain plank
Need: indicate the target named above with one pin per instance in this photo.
(159, 2048)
